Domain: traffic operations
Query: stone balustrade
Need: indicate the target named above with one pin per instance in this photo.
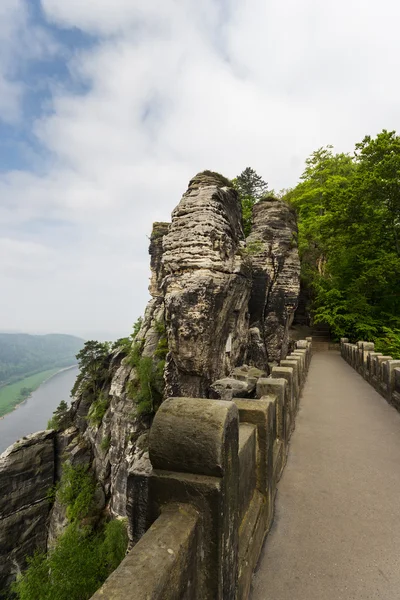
(382, 372)
(202, 515)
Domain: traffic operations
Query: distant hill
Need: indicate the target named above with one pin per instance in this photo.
(22, 354)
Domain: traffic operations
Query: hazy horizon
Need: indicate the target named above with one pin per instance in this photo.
(108, 108)
(101, 336)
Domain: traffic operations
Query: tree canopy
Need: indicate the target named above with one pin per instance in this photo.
(349, 228)
(251, 188)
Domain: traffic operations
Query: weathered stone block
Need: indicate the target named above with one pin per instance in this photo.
(396, 391)
(388, 378)
(194, 453)
(305, 357)
(251, 537)
(164, 565)
(262, 414)
(296, 365)
(288, 374)
(371, 365)
(230, 387)
(247, 466)
(278, 388)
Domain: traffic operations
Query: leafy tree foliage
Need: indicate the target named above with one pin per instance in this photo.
(76, 491)
(61, 418)
(80, 563)
(93, 362)
(84, 555)
(251, 188)
(349, 232)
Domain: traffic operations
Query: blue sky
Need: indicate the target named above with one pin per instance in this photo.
(38, 74)
(109, 107)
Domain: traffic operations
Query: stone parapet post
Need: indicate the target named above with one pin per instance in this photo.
(379, 370)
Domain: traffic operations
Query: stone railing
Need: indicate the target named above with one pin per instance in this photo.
(380, 371)
(209, 501)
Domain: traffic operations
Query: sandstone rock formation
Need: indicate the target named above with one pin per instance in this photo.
(206, 287)
(272, 247)
(27, 471)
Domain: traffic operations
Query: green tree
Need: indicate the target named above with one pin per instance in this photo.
(84, 555)
(251, 188)
(349, 218)
(93, 362)
(61, 418)
(78, 565)
(250, 184)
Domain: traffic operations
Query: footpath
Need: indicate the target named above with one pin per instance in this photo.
(336, 533)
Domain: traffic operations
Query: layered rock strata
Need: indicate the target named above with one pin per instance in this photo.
(272, 248)
(27, 472)
(206, 287)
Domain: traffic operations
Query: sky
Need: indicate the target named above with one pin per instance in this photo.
(109, 107)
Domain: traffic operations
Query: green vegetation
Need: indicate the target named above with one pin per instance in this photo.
(147, 387)
(76, 491)
(13, 394)
(224, 181)
(349, 239)
(98, 409)
(84, 556)
(61, 418)
(93, 361)
(251, 189)
(253, 247)
(22, 355)
(105, 443)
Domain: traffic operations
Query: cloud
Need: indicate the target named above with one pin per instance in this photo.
(21, 41)
(163, 90)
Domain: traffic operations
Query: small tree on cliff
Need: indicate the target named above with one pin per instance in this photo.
(61, 418)
(251, 188)
(93, 362)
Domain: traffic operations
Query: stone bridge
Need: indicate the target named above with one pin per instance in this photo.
(211, 500)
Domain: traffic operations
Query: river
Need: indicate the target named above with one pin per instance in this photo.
(32, 415)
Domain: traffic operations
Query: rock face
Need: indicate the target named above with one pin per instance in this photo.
(272, 247)
(206, 287)
(27, 472)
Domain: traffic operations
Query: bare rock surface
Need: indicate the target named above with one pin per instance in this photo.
(272, 247)
(27, 472)
(206, 287)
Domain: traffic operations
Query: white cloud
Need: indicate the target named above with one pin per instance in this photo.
(174, 88)
(20, 40)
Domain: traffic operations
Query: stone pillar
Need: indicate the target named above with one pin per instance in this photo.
(295, 362)
(380, 360)
(305, 356)
(262, 414)
(278, 388)
(194, 453)
(396, 391)
(288, 374)
(388, 378)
